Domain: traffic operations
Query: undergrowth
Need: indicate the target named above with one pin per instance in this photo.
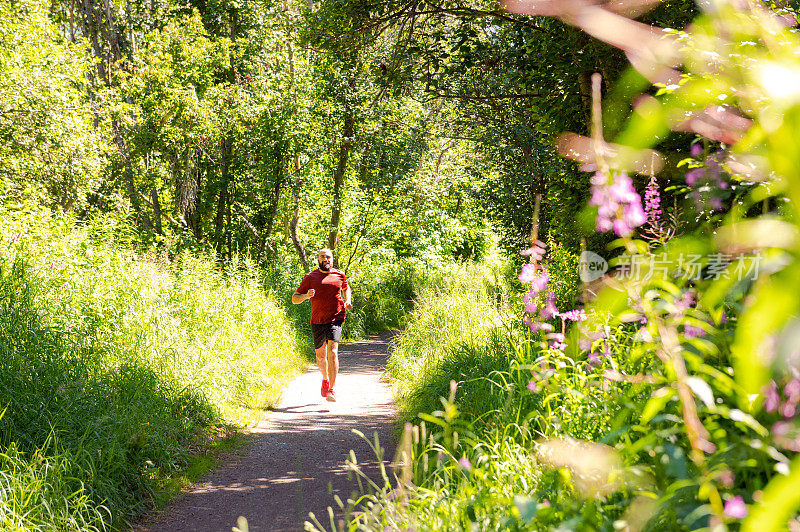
(116, 368)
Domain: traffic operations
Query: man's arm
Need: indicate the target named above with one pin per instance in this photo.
(348, 304)
(298, 298)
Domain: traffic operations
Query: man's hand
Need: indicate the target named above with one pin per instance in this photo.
(348, 305)
(299, 298)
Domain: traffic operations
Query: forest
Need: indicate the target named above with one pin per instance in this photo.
(581, 218)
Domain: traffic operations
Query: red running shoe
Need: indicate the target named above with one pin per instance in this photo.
(325, 388)
(331, 396)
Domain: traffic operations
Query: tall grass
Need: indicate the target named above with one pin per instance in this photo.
(451, 323)
(469, 460)
(116, 366)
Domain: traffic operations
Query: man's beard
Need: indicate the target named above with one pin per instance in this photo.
(324, 267)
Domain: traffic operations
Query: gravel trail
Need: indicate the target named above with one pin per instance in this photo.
(295, 461)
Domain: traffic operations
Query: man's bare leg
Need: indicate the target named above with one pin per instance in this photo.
(332, 363)
(322, 360)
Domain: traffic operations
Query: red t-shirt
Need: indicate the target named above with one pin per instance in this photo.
(327, 304)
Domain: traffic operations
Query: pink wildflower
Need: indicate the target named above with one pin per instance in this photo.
(792, 390)
(549, 311)
(727, 478)
(781, 428)
(788, 410)
(540, 283)
(736, 508)
(772, 398)
(528, 273)
(619, 206)
(536, 251)
(690, 331)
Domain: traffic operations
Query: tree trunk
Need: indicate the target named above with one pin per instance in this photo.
(90, 29)
(156, 211)
(298, 246)
(229, 231)
(133, 194)
(222, 203)
(276, 195)
(194, 217)
(219, 220)
(338, 179)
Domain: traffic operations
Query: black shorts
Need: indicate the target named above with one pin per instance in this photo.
(326, 331)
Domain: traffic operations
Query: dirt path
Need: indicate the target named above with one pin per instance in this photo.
(296, 460)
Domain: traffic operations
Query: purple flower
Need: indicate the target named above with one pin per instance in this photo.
(736, 508)
(693, 176)
(549, 310)
(603, 225)
(781, 428)
(685, 302)
(528, 273)
(621, 227)
(727, 478)
(463, 462)
(652, 202)
(715, 203)
(540, 283)
(574, 315)
(594, 359)
(622, 190)
(792, 390)
(531, 308)
(772, 398)
(690, 331)
(788, 409)
(713, 166)
(696, 150)
(533, 387)
(536, 251)
(546, 327)
(619, 206)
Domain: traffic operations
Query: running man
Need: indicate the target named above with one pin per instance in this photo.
(324, 287)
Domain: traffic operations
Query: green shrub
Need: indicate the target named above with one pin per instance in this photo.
(565, 280)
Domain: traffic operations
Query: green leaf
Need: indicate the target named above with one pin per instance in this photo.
(657, 403)
(773, 302)
(779, 501)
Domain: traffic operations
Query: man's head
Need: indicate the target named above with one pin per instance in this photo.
(325, 259)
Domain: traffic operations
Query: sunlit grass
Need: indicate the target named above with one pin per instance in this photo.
(462, 312)
(117, 368)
